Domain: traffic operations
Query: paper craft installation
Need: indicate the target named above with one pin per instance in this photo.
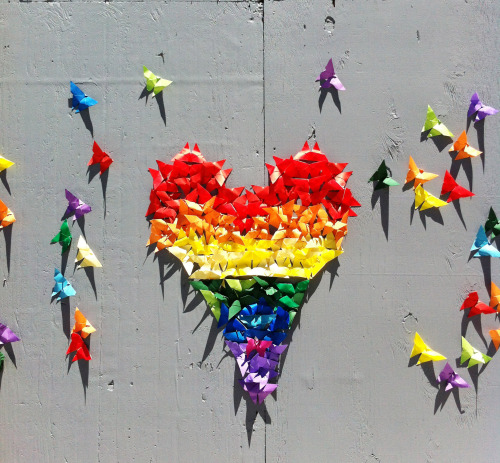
(476, 307)
(495, 337)
(417, 175)
(456, 191)
(80, 100)
(7, 335)
(86, 255)
(5, 163)
(251, 254)
(494, 295)
(463, 149)
(6, 216)
(449, 377)
(425, 200)
(382, 177)
(483, 246)
(477, 106)
(62, 288)
(155, 83)
(64, 237)
(76, 206)
(471, 354)
(82, 325)
(425, 352)
(81, 330)
(329, 79)
(434, 126)
(100, 157)
(492, 224)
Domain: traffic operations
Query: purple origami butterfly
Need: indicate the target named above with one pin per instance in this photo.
(329, 79)
(76, 206)
(451, 378)
(7, 335)
(477, 106)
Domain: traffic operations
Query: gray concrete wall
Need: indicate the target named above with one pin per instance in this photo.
(160, 387)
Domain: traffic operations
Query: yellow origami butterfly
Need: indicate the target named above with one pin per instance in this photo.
(155, 83)
(425, 352)
(426, 200)
(86, 255)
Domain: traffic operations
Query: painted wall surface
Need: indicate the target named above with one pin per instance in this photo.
(161, 387)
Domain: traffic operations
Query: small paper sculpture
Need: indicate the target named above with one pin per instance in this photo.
(476, 307)
(456, 191)
(5, 163)
(434, 126)
(6, 216)
(450, 378)
(329, 79)
(64, 237)
(82, 325)
(62, 288)
(80, 100)
(155, 83)
(495, 337)
(495, 295)
(471, 354)
(78, 346)
(483, 246)
(477, 106)
(382, 177)
(425, 200)
(492, 225)
(425, 352)
(463, 149)
(100, 157)
(86, 255)
(417, 175)
(76, 206)
(7, 335)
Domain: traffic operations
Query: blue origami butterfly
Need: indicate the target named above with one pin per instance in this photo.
(62, 288)
(80, 100)
(483, 246)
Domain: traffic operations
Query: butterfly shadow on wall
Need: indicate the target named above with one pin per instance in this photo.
(159, 100)
(324, 92)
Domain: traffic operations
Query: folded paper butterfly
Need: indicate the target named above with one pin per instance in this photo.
(472, 355)
(477, 106)
(64, 237)
(86, 255)
(476, 307)
(5, 163)
(155, 83)
(100, 157)
(449, 377)
(463, 149)
(425, 352)
(434, 126)
(494, 296)
(329, 79)
(76, 206)
(492, 224)
(7, 335)
(483, 247)
(275, 237)
(382, 177)
(425, 200)
(456, 191)
(417, 175)
(80, 100)
(62, 289)
(82, 325)
(495, 337)
(6, 216)
(78, 346)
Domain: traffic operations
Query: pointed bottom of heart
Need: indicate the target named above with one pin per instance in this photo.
(257, 314)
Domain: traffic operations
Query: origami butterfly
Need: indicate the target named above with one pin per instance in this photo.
(62, 288)
(7, 335)
(5, 163)
(492, 225)
(450, 378)
(76, 206)
(329, 79)
(463, 149)
(80, 100)
(82, 325)
(418, 175)
(78, 346)
(477, 106)
(426, 200)
(434, 125)
(425, 352)
(483, 246)
(456, 191)
(476, 307)
(85, 253)
(64, 237)
(495, 337)
(154, 83)
(6, 216)
(495, 295)
(471, 354)
(382, 177)
(100, 157)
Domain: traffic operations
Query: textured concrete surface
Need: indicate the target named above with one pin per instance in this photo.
(160, 387)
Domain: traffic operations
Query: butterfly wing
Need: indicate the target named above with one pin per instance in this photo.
(151, 79)
(85, 103)
(485, 111)
(481, 239)
(420, 196)
(413, 170)
(78, 95)
(475, 105)
(160, 85)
